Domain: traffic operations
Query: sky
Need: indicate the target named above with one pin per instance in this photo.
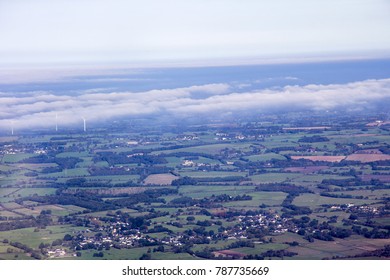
(103, 60)
(198, 31)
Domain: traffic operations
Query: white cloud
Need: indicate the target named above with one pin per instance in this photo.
(38, 109)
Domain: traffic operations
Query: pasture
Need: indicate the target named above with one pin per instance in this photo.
(134, 254)
(315, 201)
(258, 198)
(265, 157)
(340, 247)
(211, 174)
(14, 158)
(261, 248)
(274, 177)
(211, 149)
(33, 238)
(200, 191)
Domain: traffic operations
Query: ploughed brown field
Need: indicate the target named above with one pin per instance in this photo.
(160, 179)
(368, 157)
(320, 158)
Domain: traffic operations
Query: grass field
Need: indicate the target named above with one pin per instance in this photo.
(371, 194)
(13, 254)
(8, 191)
(211, 149)
(261, 248)
(200, 191)
(13, 158)
(4, 247)
(35, 191)
(6, 167)
(306, 169)
(9, 194)
(113, 178)
(73, 154)
(211, 174)
(74, 172)
(265, 157)
(315, 201)
(136, 253)
(218, 245)
(313, 179)
(56, 210)
(258, 198)
(32, 238)
(341, 247)
(132, 212)
(274, 177)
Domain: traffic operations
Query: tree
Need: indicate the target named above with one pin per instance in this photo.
(190, 218)
(98, 255)
(56, 242)
(146, 256)
(67, 237)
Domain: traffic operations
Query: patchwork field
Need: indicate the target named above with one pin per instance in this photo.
(319, 190)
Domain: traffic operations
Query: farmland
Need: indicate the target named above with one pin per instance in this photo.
(276, 187)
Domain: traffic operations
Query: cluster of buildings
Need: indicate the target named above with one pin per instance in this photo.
(121, 235)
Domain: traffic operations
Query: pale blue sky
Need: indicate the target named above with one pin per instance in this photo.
(155, 31)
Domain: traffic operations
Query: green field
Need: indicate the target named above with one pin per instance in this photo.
(265, 157)
(33, 238)
(68, 173)
(14, 158)
(200, 191)
(258, 198)
(211, 174)
(133, 254)
(261, 248)
(274, 177)
(343, 248)
(315, 201)
(209, 149)
(226, 161)
(35, 191)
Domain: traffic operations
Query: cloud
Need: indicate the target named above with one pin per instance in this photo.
(39, 108)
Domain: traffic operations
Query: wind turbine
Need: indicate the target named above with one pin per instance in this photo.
(85, 124)
(12, 127)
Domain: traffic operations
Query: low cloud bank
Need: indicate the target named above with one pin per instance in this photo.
(40, 108)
